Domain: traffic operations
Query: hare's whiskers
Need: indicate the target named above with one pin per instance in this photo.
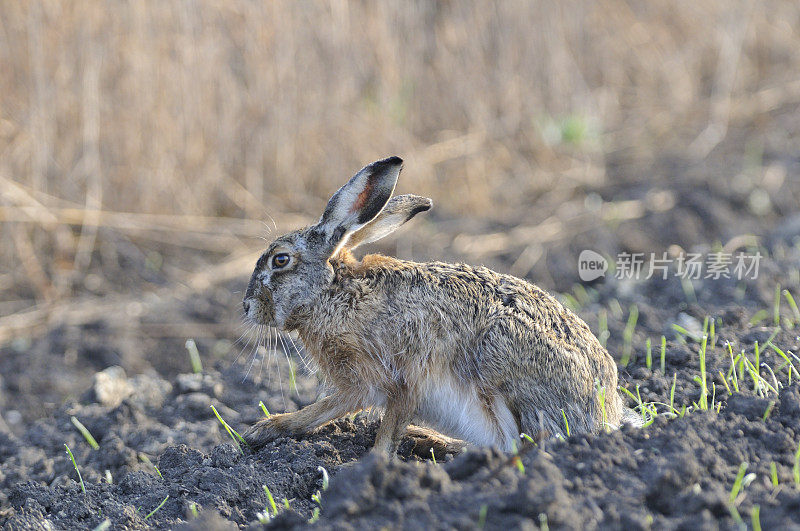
(300, 354)
(254, 353)
(248, 333)
(278, 365)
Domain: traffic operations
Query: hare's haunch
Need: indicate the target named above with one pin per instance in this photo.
(475, 354)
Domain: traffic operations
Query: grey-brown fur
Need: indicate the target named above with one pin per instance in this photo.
(479, 355)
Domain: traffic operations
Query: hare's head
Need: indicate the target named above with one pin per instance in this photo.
(295, 268)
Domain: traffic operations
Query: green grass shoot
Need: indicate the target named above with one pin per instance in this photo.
(238, 439)
(627, 335)
(755, 517)
(601, 397)
(648, 360)
(725, 382)
(272, 505)
(433, 456)
(543, 525)
(759, 316)
(264, 409)
(796, 467)
(74, 464)
(672, 393)
(145, 459)
(326, 479)
(792, 305)
(767, 411)
(194, 356)
(85, 432)
(484, 510)
(663, 354)
(314, 516)
(193, 510)
(566, 423)
(773, 473)
(703, 382)
(737, 483)
(776, 306)
(160, 505)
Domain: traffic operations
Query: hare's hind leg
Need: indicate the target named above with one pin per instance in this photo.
(428, 441)
(400, 408)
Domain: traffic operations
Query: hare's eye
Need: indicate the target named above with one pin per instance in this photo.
(280, 260)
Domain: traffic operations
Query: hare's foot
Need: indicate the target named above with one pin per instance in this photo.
(427, 441)
(299, 422)
(265, 431)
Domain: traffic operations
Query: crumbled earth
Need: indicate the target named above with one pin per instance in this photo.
(159, 440)
(165, 461)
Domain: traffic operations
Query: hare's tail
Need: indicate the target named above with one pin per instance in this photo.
(631, 418)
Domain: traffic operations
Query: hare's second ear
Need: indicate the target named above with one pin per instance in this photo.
(360, 200)
(398, 210)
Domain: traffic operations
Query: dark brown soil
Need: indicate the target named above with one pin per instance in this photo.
(159, 439)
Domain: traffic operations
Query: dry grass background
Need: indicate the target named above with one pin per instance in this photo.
(176, 127)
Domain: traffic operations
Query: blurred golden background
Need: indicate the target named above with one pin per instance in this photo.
(146, 147)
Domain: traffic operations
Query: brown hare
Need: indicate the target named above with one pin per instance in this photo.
(475, 354)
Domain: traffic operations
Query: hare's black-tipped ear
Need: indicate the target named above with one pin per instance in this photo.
(358, 202)
(398, 210)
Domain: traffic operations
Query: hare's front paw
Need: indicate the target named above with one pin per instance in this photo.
(265, 431)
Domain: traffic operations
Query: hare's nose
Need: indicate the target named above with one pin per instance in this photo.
(246, 305)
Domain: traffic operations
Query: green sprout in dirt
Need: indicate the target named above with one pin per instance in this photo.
(433, 456)
(566, 423)
(647, 410)
(627, 335)
(85, 432)
(796, 467)
(703, 382)
(517, 459)
(755, 517)
(160, 505)
(648, 360)
(769, 409)
(776, 306)
(792, 305)
(267, 515)
(543, 525)
(759, 316)
(237, 439)
(194, 356)
(739, 484)
(663, 354)
(146, 460)
(314, 516)
(74, 464)
(193, 510)
(773, 473)
(264, 409)
(484, 510)
(601, 397)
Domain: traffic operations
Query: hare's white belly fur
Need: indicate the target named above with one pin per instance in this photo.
(455, 410)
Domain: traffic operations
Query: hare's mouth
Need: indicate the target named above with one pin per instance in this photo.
(257, 312)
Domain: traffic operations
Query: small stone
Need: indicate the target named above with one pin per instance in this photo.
(111, 386)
